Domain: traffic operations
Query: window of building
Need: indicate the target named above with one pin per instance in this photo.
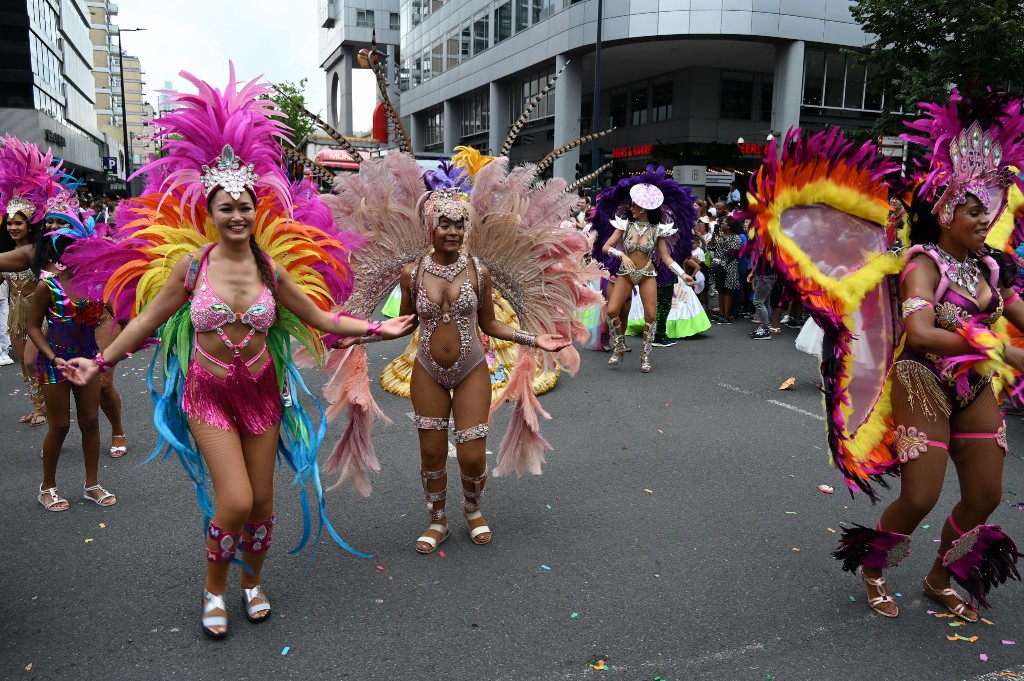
(433, 128)
(661, 104)
(437, 58)
(855, 84)
(416, 12)
(873, 99)
(476, 112)
(638, 103)
(814, 77)
(523, 14)
(416, 74)
(834, 80)
(618, 107)
(425, 65)
(454, 52)
(737, 97)
(547, 8)
(364, 18)
(466, 42)
(767, 92)
(531, 86)
(835, 74)
(395, 21)
(481, 33)
(503, 22)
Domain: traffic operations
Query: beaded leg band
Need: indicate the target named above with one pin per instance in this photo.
(475, 494)
(434, 497)
(473, 433)
(430, 422)
(259, 540)
(874, 549)
(981, 559)
(227, 544)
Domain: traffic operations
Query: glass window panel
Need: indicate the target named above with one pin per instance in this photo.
(395, 20)
(481, 33)
(835, 74)
(662, 100)
(522, 14)
(437, 58)
(854, 84)
(814, 77)
(466, 42)
(618, 106)
(638, 104)
(767, 92)
(503, 22)
(453, 49)
(547, 8)
(425, 64)
(873, 97)
(737, 98)
(536, 8)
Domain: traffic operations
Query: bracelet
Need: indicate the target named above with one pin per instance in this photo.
(363, 340)
(615, 252)
(101, 363)
(1011, 300)
(523, 338)
(676, 269)
(373, 329)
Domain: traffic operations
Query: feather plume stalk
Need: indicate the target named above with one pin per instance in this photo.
(382, 85)
(513, 132)
(569, 146)
(587, 179)
(306, 161)
(331, 132)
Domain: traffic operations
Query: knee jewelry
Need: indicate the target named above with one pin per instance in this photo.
(227, 544)
(430, 422)
(981, 559)
(911, 443)
(999, 436)
(434, 497)
(875, 549)
(473, 497)
(474, 433)
(259, 540)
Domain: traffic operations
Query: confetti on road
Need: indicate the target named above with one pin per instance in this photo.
(381, 568)
(103, 525)
(830, 530)
(441, 553)
(285, 651)
(899, 595)
(988, 622)
(599, 665)
(983, 657)
(925, 527)
(1009, 643)
(574, 615)
(853, 599)
(88, 541)
(661, 431)
(548, 506)
(28, 667)
(788, 383)
(956, 624)
(952, 638)
(827, 489)
(796, 550)
(649, 491)
(545, 567)
(790, 512)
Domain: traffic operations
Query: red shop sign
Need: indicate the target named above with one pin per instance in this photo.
(753, 149)
(630, 152)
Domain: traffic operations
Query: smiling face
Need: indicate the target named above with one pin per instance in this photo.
(970, 225)
(233, 218)
(18, 228)
(449, 235)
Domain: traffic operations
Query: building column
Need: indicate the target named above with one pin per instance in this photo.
(341, 105)
(499, 123)
(568, 95)
(788, 85)
(414, 126)
(452, 125)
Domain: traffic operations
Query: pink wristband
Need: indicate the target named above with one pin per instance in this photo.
(373, 329)
(1011, 300)
(101, 363)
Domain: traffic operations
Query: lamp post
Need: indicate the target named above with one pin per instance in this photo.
(124, 106)
(595, 123)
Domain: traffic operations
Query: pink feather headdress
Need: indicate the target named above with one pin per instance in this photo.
(226, 139)
(27, 178)
(973, 142)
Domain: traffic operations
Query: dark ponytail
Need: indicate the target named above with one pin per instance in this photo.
(263, 265)
(924, 225)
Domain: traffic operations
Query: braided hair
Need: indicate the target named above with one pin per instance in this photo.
(263, 265)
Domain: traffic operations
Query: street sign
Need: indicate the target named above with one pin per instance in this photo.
(110, 165)
(891, 152)
(889, 141)
(694, 176)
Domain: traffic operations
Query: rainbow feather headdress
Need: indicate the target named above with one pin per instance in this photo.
(973, 143)
(820, 213)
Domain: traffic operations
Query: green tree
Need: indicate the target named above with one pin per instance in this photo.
(922, 47)
(291, 98)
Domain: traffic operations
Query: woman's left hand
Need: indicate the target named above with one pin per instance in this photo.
(551, 342)
(397, 327)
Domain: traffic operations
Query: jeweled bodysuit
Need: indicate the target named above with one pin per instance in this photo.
(242, 400)
(22, 286)
(70, 329)
(638, 237)
(462, 312)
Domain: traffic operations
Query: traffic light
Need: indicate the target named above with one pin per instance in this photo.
(581, 170)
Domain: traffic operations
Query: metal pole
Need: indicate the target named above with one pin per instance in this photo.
(595, 118)
(124, 116)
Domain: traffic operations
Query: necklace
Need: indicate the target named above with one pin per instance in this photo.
(446, 272)
(641, 227)
(964, 274)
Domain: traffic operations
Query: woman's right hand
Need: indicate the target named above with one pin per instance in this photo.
(397, 327)
(80, 370)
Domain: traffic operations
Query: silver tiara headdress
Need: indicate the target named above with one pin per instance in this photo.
(229, 173)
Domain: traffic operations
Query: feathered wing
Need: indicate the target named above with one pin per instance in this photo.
(820, 216)
(537, 265)
(379, 206)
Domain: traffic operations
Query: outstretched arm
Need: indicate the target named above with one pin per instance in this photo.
(17, 260)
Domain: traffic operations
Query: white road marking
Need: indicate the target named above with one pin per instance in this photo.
(743, 391)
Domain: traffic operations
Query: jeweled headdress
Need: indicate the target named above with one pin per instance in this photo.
(229, 173)
(27, 178)
(973, 141)
(18, 204)
(449, 202)
(62, 203)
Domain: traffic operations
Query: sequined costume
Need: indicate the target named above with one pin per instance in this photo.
(925, 376)
(70, 329)
(639, 237)
(244, 399)
(22, 286)
(462, 311)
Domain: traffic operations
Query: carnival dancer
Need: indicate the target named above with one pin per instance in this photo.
(28, 178)
(259, 276)
(935, 400)
(70, 332)
(655, 203)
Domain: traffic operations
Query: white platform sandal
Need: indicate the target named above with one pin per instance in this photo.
(213, 602)
(251, 610)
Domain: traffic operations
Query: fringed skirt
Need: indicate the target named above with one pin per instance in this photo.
(242, 401)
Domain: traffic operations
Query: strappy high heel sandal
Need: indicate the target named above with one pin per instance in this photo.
(884, 597)
(212, 602)
(962, 609)
(251, 610)
(618, 341)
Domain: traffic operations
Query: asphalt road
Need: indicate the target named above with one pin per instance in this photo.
(677, 532)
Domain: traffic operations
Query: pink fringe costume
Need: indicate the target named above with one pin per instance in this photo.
(243, 400)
